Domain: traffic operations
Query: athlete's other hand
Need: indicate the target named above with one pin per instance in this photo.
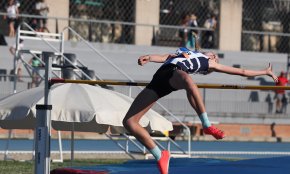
(143, 60)
(271, 74)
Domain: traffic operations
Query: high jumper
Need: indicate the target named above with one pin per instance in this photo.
(173, 75)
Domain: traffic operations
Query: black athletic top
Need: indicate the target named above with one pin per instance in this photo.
(195, 63)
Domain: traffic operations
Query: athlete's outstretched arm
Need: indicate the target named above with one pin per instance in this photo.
(157, 58)
(242, 72)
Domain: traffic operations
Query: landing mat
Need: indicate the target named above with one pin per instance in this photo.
(277, 165)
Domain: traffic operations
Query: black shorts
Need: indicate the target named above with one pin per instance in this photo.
(9, 20)
(160, 82)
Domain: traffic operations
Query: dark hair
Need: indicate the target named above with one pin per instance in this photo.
(282, 73)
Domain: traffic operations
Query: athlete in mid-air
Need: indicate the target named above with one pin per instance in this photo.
(174, 74)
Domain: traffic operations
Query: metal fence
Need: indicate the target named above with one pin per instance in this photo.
(172, 12)
(265, 24)
(270, 16)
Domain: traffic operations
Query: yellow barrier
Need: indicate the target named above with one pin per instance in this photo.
(211, 86)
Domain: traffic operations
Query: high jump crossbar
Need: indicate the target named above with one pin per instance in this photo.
(127, 83)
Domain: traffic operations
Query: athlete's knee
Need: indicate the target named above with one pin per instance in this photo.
(129, 123)
(125, 122)
(189, 83)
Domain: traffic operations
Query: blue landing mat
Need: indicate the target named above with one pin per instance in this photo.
(277, 165)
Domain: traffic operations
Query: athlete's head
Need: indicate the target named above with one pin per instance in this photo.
(212, 56)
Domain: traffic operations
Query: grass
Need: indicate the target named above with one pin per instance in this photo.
(27, 167)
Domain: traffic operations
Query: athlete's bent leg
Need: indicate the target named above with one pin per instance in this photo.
(143, 102)
(139, 107)
(181, 80)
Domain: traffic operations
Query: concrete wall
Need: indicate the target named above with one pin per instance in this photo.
(230, 25)
(234, 132)
(254, 132)
(125, 57)
(242, 132)
(58, 9)
(147, 12)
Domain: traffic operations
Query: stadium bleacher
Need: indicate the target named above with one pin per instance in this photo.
(125, 57)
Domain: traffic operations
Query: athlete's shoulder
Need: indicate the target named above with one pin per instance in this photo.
(195, 54)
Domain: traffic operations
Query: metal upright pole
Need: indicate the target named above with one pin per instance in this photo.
(288, 65)
(16, 57)
(42, 142)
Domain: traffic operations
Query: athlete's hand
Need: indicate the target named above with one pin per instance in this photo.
(271, 74)
(143, 60)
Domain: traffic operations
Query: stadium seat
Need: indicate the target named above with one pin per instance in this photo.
(3, 73)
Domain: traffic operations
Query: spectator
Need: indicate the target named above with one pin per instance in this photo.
(269, 100)
(183, 32)
(35, 63)
(35, 25)
(18, 60)
(192, 23)
(42, 9)
(284, 104)
(209, 36)
(12, 15)
(281, 99)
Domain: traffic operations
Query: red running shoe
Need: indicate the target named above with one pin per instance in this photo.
(163, 163)
(215, 132)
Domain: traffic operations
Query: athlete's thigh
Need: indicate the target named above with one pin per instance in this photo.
(180, 79)
(142, 103)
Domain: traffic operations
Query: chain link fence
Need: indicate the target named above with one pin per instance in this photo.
(265, 23)
(270, 19)
(117, 10)
(172, 12)
(194, 13)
